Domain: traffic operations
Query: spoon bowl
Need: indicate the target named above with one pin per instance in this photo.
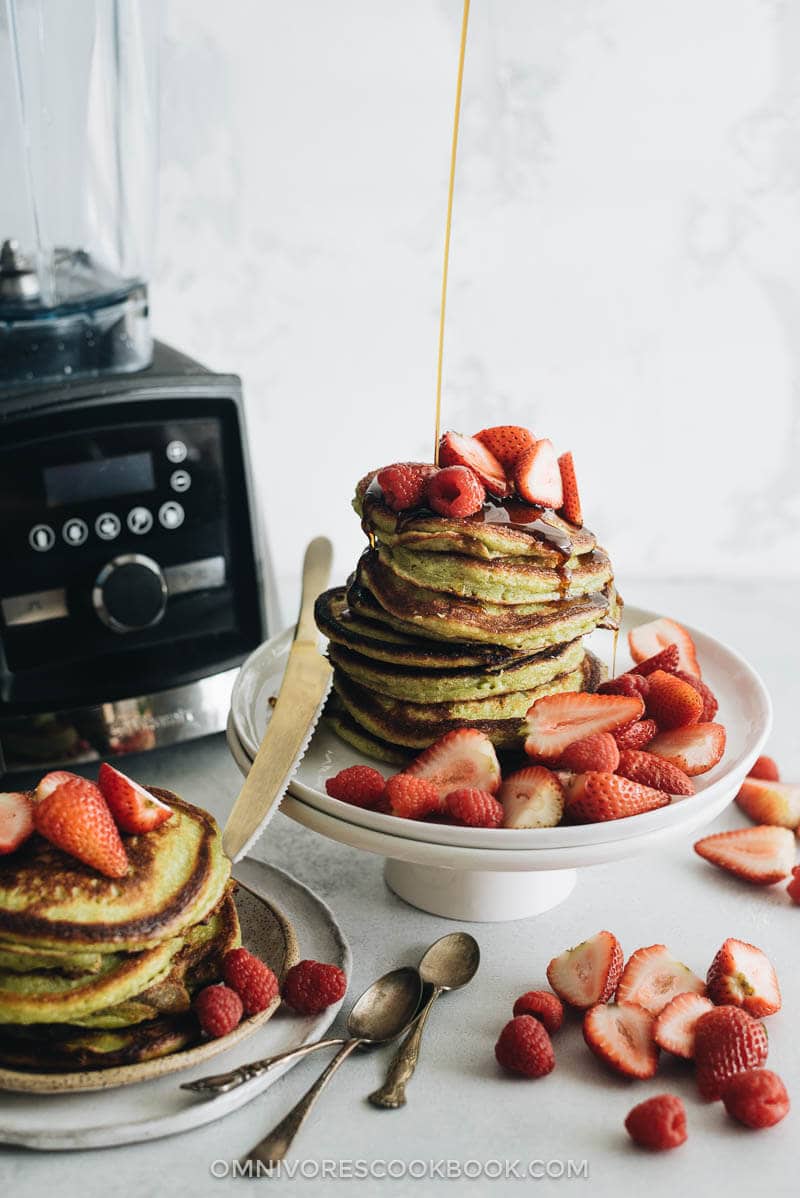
(451, 961)
(386, 1007)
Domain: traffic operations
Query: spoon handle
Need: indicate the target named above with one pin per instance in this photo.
(221, 1083)
(392, 1093)
(277, 1143)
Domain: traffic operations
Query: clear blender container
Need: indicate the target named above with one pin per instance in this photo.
(78, 160)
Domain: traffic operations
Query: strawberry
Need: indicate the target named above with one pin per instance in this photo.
(756, 1097)
(695, 750)
(542, 1005)
(531, 798)
(635, 735)
(649, 639)
(654, 771)
(652, 977)
(769, 802)
(506, 442)
(588, 973)
(458, 450)
(455, 492)
(658, 1123)
(404, 484)
(75, 818)
(666, 659)
(134, 809)
(793, 889)
(625, 684)
(594, 798)
(762, 855)
(537, 476)
(726, 1041)
(742, 976)
(555, 721)
(476, 808)
(596, 752)
(360, 785)
(675, 1024)
(710, 704)
(524, 1047)
(463, 757)
(622, 1037)
(412, 798)
(571, 507)
(16, 820)
(671, 702)
(765, 767)
(49, 782)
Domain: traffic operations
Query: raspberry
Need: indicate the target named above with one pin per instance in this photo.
(794, 886)
(524, 1047)
(475, 807)
(756, 1097)
(765, 768)
(625, 684)
(358, 784)
(668, 660)
(456, 491)
(219, 1010)
(635, 735)
(253, 981)
(310, 986)
(403, 484)
(596, 752)
(542, 1005)
(411, 797)
(658, 1123)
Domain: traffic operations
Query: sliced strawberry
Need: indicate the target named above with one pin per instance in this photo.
(462, 758)
(49, 782)
(649, 639)
(710, 704)
(588, 973)
(675, 1024)
(16, 820)
(596, 752)
(765, 767)
(666, 659)
(571, 507)
(622, 1037)
(403, 484)
(762, 855)
(635, 735)
(455, 491)
(75, 818)
(652, 977)
(743, 976)
(695, 749)
(594, 798)
(537, 476)
(770, 802)
(134, 809)
(555, 721)
(531, 798)
(457, 450)
(671, 702)
(654, 771)
(506, 442)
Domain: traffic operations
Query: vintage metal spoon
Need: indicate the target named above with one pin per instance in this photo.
(448, 964)
(382, 1013)
(391, 992)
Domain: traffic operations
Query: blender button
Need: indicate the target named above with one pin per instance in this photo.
(140, 520)
(171, 514)
(41, 538)
(75, 531)
(180, 480)
(176, 452)
(107, 526)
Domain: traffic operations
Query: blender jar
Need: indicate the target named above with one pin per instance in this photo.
(78, 160)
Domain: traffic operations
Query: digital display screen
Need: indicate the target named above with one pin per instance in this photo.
(78, 481)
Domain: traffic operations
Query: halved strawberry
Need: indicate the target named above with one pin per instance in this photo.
(595, 797)
(531, 798)
(75, 818)
(571, 507)
(762, 855)
(555, 721)
(49, 782)
(457, 450)
(671, 702)
(652, 977)
(770, 802)
(635, 735)
(695, 749)
(462, 758)
(666, 659)
(537, 476)
(710, 704)
(596, 752)
(622, 1037)
(649, 639)
(16, 820)
(654, 771)
(506, 442)
(134, 809)
(765, 767)
(675, 1024)
(589, 972)
(742, 975)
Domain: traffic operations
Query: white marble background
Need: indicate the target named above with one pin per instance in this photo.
(626, 252)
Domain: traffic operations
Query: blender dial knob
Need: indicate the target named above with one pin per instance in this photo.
(130, 593)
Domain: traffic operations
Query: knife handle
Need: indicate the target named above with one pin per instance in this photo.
(316, 572)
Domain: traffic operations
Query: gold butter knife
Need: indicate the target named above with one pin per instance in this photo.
(301, 697)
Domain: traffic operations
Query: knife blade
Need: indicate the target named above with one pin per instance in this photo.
(302, 694)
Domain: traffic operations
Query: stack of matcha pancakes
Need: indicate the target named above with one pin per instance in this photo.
(452, 622)
(98, 971)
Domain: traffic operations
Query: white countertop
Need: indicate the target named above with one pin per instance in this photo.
(460, 1107)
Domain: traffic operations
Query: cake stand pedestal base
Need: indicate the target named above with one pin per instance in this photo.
(478, 895)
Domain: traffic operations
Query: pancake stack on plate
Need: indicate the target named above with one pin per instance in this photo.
(448, 623)
(97, 971)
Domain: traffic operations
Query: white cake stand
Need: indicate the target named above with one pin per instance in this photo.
(487, 875)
